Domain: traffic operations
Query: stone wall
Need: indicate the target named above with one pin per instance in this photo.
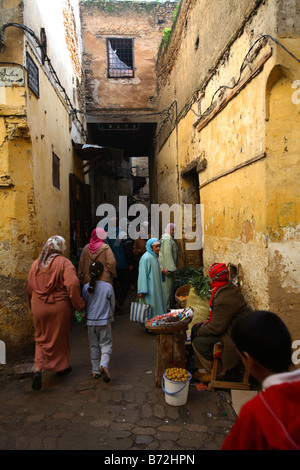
(144, 23)
(33, 127)
(229, 91)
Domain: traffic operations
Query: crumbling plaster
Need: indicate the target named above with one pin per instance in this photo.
(250, 185)
(139, 21)
(31, 128)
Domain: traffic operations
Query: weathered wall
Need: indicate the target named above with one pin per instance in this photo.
(15, 193)
(16, 228)
(203, 29)
(144, 22)
(248, 149)
(282, 194)
(31, 128)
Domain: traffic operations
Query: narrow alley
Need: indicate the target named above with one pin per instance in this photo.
(130, 413)
(132, 116)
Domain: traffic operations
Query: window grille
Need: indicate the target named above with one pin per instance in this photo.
(120, 58)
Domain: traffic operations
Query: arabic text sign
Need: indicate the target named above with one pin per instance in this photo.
(11, 75)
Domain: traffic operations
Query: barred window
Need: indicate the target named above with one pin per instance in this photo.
(120, 58)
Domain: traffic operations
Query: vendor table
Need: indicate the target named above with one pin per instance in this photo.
(171, 340)
(170, 353)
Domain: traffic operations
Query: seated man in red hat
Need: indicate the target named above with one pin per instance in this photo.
(227, 304)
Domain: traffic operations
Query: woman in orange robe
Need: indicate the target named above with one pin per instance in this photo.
(53, 292)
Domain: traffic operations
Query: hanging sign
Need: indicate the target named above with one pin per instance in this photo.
(11, 75)
(32, 76)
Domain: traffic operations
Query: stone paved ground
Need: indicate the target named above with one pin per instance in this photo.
(130, 413)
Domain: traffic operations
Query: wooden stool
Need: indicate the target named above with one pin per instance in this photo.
(214, 383)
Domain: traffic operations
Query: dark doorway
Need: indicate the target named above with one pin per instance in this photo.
(109, 181)
(80, 216)
(191, 196)
(135, 138)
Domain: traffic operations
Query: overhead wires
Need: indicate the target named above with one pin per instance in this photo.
(188, 106)
(168, 114)
(73, 110)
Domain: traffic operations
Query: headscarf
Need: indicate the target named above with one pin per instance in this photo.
(112, 230)
(144, 225)
(54, 246)
(149, 245)
(219, 274)
(123, 225)
(97, 239)
(169, 227)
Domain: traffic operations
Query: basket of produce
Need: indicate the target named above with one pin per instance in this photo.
(176, 320)
(181, 295)
(195, 278)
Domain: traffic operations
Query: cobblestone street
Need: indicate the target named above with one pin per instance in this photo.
(77, 412)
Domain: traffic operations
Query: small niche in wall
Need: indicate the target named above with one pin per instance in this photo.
(234, 274)
(55, 171)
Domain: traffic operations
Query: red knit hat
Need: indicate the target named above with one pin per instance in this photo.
(218, 272)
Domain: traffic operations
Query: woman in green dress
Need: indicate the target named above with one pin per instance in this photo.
(168, 256)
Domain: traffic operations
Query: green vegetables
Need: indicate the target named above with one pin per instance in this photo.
(195, 278)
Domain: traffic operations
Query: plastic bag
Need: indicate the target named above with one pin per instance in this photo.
(200, 307)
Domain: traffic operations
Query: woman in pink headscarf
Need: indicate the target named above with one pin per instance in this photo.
(97, 250)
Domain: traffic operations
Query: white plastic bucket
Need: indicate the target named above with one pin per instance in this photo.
(176, 393)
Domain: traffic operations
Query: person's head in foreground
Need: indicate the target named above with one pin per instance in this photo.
(264, 343)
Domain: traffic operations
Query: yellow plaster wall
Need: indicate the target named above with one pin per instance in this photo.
(232, 138)
(31, 129)
(49, 124)
(17, 219)
(33, 205)
(234, 204)
(32, 209)
(16, 170)
(186, 151)
(202, 32)
(234, 230)
(283, 171)
(283, 197)
(242, 209)
(167, 174)
(251, 215)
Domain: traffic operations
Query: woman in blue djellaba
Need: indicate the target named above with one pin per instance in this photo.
(150, 286)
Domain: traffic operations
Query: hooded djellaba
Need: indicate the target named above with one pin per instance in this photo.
(97, 250)
(168, 256)
(53, 293)
(150, 280)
